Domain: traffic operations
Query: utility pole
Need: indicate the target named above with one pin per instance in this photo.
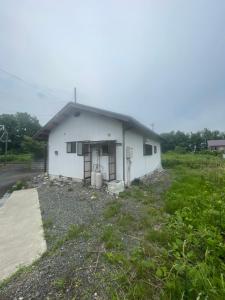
(6, 146)
(4, 139)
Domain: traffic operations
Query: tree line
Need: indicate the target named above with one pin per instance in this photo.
(21, 128)
(189, 142)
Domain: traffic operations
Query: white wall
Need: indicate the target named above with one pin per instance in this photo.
(140, 164)
(92, 127)
(85, 127)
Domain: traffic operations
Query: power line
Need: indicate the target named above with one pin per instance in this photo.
(45, 90)
(22, 98)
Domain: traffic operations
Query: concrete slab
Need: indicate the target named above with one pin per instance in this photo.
(21, 232)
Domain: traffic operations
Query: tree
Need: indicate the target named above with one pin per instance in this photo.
(194, 141)
(18, 125)
(29, 145)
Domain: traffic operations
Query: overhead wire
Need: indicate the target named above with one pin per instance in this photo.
(44, 90)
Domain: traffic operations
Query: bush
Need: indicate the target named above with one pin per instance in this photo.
(30, 145)
(136, 181)
(180, 149)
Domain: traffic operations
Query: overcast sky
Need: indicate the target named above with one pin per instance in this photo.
(161, 61)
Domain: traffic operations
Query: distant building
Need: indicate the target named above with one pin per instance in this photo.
(216, 145)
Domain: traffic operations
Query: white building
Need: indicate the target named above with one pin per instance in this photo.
(83, 138)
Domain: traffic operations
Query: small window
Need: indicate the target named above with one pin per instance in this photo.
(71, 147)
(155, 149)
(105, 149)
(147, 149)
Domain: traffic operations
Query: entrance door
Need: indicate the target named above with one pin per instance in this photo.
(87, 162)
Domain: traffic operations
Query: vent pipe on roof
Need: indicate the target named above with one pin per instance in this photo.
(75, 95)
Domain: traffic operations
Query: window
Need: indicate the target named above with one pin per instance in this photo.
(83, 148)
(155, 149)
(79, 148)
(71, 147)
(147, 149)
(105, 149)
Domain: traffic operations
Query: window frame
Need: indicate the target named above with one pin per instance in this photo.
(147, 147)
(73, 147)
(155, 149)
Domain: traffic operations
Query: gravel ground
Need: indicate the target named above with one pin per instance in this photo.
(77, 269)
(62, 205)
(73, 203)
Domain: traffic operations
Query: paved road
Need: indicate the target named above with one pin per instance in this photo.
(10, 174)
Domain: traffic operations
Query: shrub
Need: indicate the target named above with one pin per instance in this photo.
(180, 150)
(136, 181)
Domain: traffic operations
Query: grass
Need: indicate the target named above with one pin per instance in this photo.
(181, 249)
(126, 221)
(196, 202)
(16, 158)
(20, 270)
(112, 238)
(73, 232)
(47, 224)
(20, 184)
(60, 283)
(112, 209)
(189, 160)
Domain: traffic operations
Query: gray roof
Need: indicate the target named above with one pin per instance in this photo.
(216, 143)
(73, 108)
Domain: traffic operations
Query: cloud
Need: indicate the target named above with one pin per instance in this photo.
(160, 61)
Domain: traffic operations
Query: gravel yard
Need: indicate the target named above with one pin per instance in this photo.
(83, 228)
(62, 205)
(73, 203)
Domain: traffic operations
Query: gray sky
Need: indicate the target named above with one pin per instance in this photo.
(160, 61)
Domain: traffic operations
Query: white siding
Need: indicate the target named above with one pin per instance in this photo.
(85, 127)
(89, 126)
(141, 164)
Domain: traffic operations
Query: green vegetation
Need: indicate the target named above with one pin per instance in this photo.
(47, 224)
(21, 128)
(112, 209)
(20, 270)
(16, 158)
(112, 238)
(165, 240)
(181, 249)
(181, 142)
(60, 283)
(20, 184)
(193, 161)
(73, 232)
(196, 201)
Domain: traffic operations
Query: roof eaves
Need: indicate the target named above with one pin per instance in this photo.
(70, 107)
